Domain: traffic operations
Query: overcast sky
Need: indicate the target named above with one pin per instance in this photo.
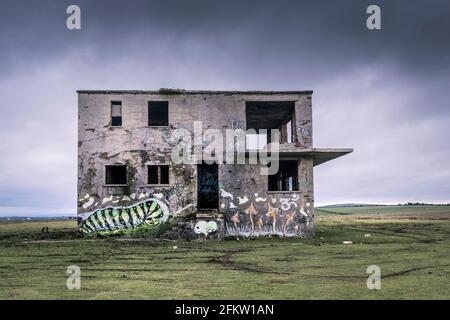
(385, 93)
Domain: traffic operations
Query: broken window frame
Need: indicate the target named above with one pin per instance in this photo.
(282, 182)
(159, 174)
(116, 103)
(285, 124)
(115, 184)
(166, 123)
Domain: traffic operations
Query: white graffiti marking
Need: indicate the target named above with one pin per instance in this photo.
(286, 204)
(259, 199)
(141, 196)
(302, 212)
(89, 203)
(225, 194)
(107, 199)
(205, 228)
(242, 200)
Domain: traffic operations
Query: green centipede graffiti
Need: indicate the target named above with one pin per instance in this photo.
(151, 212)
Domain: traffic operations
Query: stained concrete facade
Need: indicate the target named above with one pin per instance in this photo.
(245, 205)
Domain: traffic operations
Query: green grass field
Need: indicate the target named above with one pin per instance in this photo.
(413, 252)
(426, 212)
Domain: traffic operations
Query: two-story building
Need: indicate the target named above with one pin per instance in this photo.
(129, 181)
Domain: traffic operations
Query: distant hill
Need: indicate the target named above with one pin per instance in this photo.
(39, 218)
(359, 205)
(349, 205)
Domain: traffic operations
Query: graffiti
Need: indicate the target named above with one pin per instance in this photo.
(236, 220)
(89, 203)
(286, 204)
(259, 224)
(238, 124)
(205, 228)
(107, 199)
(242, 200)
(225, 194)
(271, 215)
(251, 211)
(303, 213)
(289, 219)
(151, 212)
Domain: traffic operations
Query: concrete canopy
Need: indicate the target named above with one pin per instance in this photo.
(320, 155)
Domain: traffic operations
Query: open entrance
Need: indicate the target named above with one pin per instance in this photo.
(269, 115)
(208, 186)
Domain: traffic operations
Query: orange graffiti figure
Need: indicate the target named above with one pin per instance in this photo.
(259, 224)
(289, 218)
(235, 219)
(251, 211)
(272, 214)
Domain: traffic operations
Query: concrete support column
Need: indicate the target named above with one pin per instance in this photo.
(303, 122)
(306, 187)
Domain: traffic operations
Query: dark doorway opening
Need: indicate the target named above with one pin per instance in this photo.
(208, 186)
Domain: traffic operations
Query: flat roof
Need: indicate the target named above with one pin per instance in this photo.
(183, 91)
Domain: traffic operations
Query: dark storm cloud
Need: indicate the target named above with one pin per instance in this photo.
(414, 34)
(384, 92)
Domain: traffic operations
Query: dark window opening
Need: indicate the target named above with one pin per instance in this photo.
(116, 113)
(158, 113)
(271, 115)
(152, 175)
(164, 174)
(116, 174)
(286, 179)
(208, 186)
(158, 174)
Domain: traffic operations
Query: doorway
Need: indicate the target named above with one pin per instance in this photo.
(207, 186)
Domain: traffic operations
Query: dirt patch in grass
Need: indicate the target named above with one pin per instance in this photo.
(226, 261)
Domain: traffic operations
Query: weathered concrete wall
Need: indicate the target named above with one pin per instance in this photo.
(137, 145)
(251, 210)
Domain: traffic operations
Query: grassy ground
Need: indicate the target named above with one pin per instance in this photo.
(419, 212)
(413, 255)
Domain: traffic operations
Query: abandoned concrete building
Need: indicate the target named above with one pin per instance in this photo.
(128, 181)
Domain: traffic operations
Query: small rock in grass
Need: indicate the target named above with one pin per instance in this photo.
(174, 247)
(347, 242)
(367, 235)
